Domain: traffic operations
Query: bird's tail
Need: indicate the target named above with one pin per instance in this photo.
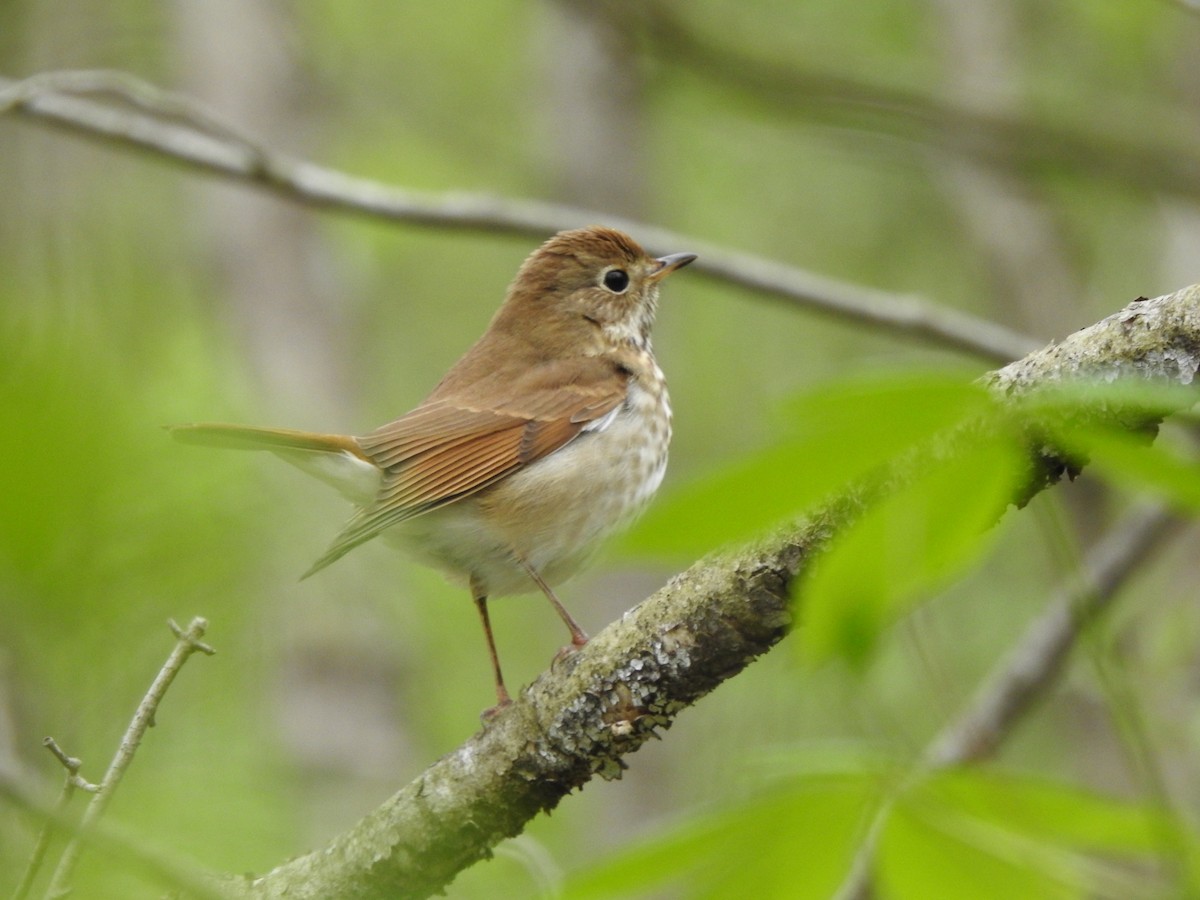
(248, 437)
(336, 459)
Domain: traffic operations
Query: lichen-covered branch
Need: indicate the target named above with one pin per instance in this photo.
(1149, 340)
(583, 717)
(578, 720)
(1153, 342)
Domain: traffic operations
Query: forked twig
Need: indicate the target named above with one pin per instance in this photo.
(187, 643)
(71, 781)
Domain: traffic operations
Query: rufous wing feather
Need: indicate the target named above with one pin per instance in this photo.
(445, 450)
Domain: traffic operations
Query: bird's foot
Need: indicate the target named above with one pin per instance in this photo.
(578, 642)
(492, 711)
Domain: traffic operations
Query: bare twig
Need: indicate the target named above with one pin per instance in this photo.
(1039, 656)
(182, 131)
(170, 873)
(131, 90)
(187, 643)
(1036, 660)
(72, 764)
(71, 781)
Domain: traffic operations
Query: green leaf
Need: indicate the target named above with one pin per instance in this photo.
(1111, 427)
(1052, 811)
(1128, 460)
(838, 433)
(918, 859)
(1125, 399)
(981, 834)
(905, 546)
(794, 842)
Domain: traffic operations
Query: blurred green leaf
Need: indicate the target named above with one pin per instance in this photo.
(1131, 461)
(959, 833)
(918, 859)
(1052, 811)
(1125, 399)
(838, 433)
(905, 546)
(1112, 428)
(982, 834)
(795, 841)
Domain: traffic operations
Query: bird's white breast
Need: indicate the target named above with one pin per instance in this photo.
(554, 512)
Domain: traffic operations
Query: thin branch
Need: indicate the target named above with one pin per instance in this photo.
(71, 781)
(104, 839)
(128, 89)
(1034, 664)
(72, 764)
(1145, 158)
(1039, 657)
(187, 642)
(602, 703)
(178, 129)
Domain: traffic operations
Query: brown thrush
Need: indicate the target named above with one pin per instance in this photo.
(548, 434)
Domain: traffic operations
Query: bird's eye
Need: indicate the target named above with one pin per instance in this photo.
(616, 280)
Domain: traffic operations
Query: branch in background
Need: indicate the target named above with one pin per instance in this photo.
(1145, 158)
(1040, 654)
(1033, 665)
(180, 130)
(187, 643)
(116, 845)
(634, 677)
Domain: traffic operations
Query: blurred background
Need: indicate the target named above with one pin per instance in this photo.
(1035, 164)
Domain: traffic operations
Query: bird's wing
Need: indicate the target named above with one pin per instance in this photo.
(453, 445)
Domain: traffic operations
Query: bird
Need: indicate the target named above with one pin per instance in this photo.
(547, 435)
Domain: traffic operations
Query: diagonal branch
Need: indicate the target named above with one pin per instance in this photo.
(703, 627)
(1031, 668)
(183, 131)
(578, 720)
(1040, 655)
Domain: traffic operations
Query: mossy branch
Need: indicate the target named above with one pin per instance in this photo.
(583, 717)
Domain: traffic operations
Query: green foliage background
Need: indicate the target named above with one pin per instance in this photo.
(816, 134)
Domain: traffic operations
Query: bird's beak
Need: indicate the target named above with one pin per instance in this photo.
(668, 264)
